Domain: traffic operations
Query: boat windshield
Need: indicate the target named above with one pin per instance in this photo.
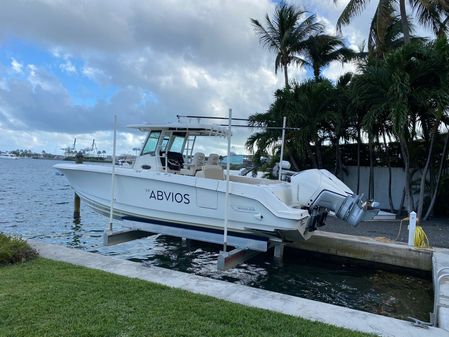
(151, 143)
(177, 144)
(164, 143)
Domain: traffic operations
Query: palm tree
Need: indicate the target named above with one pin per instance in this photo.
(368, 101)
(434, 14)
(385, 32)
(321, 49)
(309, 107)
(381, 17)
(285, 34)
(431, 13)
(340, 119)
(260, 142)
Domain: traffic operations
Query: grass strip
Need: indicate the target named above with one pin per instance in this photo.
(49, 298)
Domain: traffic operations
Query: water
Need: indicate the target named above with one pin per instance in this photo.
(37, 203)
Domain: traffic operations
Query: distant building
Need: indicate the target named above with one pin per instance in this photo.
(236, 160)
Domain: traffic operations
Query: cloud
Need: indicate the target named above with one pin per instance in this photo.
(162, 58)
(38, 105)
(16, 66)
(68, 67)
(337, 69)
(91, 73)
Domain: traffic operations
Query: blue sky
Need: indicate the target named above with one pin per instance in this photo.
(66, 68)
(82, 89)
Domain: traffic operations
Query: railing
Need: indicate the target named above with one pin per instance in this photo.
(440, 275)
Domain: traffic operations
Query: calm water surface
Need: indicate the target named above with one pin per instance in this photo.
(37, 203)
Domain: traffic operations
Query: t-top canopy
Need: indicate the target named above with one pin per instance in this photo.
(192, 129)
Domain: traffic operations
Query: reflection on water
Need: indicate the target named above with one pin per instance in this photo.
(37, 203)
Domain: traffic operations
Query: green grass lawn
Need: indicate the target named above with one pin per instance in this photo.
(48, 298)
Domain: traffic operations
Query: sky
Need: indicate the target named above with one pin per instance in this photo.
(66, 67)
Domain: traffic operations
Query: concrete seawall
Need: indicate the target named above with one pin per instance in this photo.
(368, 249)
(263, 299)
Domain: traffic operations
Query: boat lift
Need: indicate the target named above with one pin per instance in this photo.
(245, 247)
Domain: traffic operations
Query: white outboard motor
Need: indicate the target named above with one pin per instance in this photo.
(321, 191)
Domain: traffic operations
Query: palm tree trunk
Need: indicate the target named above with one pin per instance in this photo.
(387, 154)
(311, 155)
(438, 178)
(319, 157)
(338, 160)
(292, 160)
(422, 185)
(371, 170)
(359, 140)
(286, 75)
(316, 73)
(404, 22)
(407, 187)
(401, 204)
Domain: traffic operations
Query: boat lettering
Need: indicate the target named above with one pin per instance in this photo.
(169, 196)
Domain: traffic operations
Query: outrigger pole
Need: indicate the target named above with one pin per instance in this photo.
(238, 125)
(113, 173)
(211, 117)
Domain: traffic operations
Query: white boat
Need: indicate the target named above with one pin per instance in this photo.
(171, 185)
(7, 155)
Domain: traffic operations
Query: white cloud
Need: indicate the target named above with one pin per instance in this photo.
(41, 79)
(16, 66)
(68, 67)
(337, 69)
(163, 57)
(91, 73)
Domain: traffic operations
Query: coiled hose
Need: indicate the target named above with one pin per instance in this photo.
(420, 240)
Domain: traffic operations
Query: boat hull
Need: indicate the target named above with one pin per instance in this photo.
(187, 201)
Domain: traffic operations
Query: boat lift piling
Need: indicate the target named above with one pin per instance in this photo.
(76, 199)
(76, 207)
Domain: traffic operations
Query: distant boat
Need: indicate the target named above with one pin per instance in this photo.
(7, 155)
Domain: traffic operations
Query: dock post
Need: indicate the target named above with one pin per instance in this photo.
(278, 250)
(412, 229)
(76, 207)
(184, 242)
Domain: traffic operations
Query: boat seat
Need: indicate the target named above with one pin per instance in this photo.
(211, 172)
(213, 159)
(196, 164)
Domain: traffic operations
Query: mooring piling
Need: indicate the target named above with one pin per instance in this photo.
(76, 207)
(79, 158)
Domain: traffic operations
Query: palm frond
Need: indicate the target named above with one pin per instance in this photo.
(353, 8)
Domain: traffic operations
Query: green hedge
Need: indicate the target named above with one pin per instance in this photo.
(14, 250)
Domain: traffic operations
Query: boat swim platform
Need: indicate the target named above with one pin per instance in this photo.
(258, 298)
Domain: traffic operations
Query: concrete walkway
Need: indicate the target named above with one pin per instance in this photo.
(290, 305)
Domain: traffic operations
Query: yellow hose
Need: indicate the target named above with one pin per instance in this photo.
(420, 240)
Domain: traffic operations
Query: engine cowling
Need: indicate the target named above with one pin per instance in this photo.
(319, 189)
